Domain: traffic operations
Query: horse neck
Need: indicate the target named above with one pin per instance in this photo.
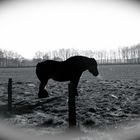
(86, 64)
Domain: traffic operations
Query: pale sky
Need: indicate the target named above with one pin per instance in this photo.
(27, 27)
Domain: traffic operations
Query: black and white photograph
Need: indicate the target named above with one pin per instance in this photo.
(70, 69)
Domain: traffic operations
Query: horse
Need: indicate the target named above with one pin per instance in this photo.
(68, 70)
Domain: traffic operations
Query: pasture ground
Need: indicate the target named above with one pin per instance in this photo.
(110, 101)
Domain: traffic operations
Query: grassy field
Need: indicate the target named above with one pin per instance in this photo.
(107, 72)
(120, 72)
(18, 74)
(105, 102)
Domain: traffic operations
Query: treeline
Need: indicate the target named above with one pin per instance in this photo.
(128, 55)
(122, 55)
(10, 59)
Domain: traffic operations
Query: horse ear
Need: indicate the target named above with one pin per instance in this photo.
(93, 60)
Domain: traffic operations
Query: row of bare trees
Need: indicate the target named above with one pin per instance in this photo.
(59, 55)
(10, 59)
(121, 55)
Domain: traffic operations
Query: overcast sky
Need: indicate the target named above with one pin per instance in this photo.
(27, 27)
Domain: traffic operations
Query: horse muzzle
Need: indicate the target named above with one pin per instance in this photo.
(96, 73)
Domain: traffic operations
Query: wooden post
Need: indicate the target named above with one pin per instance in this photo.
(72, 106)
(10, 95)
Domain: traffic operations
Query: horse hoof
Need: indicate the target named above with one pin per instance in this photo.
(43, 94)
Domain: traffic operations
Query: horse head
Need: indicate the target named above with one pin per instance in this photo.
(92, 68)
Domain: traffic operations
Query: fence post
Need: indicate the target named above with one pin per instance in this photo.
(10, 95)
(71, 106)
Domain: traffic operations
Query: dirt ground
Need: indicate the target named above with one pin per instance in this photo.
(103, 104)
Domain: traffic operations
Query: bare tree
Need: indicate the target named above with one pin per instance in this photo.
(38, 57)
(138, 51)
(1, 58)
(55, 54)
(62, 54)
(45, 56)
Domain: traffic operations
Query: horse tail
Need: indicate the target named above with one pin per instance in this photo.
(38, 71)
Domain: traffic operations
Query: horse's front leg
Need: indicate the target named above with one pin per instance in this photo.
(42, 92)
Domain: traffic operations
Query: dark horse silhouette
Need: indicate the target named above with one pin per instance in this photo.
(69, 70)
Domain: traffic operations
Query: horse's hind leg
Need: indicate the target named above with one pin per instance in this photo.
(42, 92)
